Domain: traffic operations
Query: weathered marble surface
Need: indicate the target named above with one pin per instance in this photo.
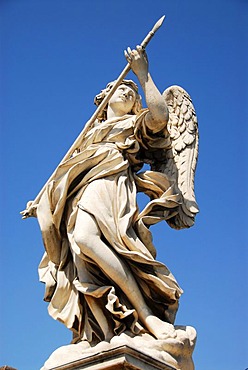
(100, 269)
(175, 354)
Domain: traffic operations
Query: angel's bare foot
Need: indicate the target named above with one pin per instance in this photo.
(160, 329)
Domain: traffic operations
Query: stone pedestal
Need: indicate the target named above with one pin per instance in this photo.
(120, 358)
(124, 351)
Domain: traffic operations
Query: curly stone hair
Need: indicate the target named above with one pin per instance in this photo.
(99, 98)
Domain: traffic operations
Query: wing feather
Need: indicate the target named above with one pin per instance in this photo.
(181, 157)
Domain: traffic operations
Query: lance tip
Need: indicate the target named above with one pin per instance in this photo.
(159, 23)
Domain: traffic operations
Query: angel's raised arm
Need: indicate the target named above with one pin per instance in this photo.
(158, 115)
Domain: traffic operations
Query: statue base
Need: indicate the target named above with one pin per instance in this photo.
(119, 358)
(125, 351)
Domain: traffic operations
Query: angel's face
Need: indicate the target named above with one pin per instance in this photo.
(123, 99)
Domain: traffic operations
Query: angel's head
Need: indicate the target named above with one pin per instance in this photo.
(125, 99)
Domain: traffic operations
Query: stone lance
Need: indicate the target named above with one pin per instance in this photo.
(28, 212)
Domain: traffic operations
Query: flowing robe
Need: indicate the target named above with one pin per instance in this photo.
(103, 180)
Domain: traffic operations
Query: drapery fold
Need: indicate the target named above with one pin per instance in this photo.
(103, 180)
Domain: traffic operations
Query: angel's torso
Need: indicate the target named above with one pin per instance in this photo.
(116, 135)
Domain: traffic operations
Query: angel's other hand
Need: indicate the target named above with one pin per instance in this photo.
(30, 210)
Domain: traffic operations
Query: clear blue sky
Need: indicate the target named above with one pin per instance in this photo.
(55, 56)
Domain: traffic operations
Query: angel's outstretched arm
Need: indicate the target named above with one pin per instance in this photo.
(157, 117)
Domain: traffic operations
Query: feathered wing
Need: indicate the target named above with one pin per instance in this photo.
(180, 159)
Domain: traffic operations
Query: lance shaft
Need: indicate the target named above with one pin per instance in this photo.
(89, 124)
(117, 83)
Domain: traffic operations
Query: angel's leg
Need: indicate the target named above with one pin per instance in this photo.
(87, 235)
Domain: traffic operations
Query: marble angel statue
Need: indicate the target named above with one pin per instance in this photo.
(100, 269)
